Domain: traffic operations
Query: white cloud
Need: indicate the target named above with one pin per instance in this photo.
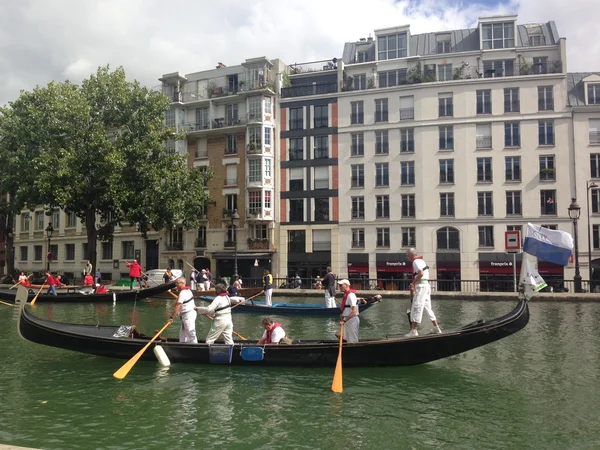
(43, 41)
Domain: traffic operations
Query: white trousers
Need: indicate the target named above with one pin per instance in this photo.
(268, 297)
(351, 329)
(188, 327)
(207, 285)
(222, 325)
(421, 301)
(329, 300)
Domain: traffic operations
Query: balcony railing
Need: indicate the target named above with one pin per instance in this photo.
(321, 153)
(200, 243)
(254, 148)
(258, 244)
(304, 90)
(483, 142)
(229, 244)
(231, 182)
(356, 118)
(201, 154)
(314, 66)
(594, 137)
(174, 246)
(512, 106)
(407, 113)
(217, 123)
(546, 105)
(381, 116)
(357, 84)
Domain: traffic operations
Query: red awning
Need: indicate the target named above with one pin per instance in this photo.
(395, 267)
(505, 267)
(358, 268)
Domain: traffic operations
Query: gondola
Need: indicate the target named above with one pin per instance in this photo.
(8, 295)
(309, 309)
(125, 341)
(244, 292)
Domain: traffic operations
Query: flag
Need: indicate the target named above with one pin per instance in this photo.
(531, 281)
(550, 245)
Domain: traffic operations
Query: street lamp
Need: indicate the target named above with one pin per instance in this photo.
(49, 230)
(590, 185)
(574, 212)
(235, 220)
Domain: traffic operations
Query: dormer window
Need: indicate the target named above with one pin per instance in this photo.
(536, 37)
(443, 43)
(498, 35)
(392, 46)
(593, 94)
(362, 57)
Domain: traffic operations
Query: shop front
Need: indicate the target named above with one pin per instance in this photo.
(307, 267)
(250, 267)
(496, 271)
(358, 270)
(553, 275)
(394, 272)
(448, 271)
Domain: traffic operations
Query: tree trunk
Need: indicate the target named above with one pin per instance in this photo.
(92, 237)
(10, 244)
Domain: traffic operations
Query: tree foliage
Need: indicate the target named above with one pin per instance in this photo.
(98, 150)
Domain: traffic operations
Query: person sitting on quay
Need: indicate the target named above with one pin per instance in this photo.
(273, 333)
(221, 309)
(421, 292)
(349, 312)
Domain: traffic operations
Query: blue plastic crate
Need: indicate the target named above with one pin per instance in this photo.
(220, 354)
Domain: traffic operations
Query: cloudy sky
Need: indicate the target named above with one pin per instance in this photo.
(44, 40)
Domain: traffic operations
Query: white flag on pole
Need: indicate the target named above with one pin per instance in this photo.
(530, 279)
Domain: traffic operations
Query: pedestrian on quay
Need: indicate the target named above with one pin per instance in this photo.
(349, 312)
(135, 272)
(186, 309)
(220, 307)
(420, 290)
(98, 276)
(329, 286)
(268, 287)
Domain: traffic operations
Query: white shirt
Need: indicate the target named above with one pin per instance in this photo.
(351, 301)
(219, 301)
(184, 296)
(418, 265)
(276, 335)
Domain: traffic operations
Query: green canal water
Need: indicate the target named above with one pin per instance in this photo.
(536, 389)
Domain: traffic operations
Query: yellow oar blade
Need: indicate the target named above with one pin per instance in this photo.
(337, 385)
(126, 368)
(37, 295)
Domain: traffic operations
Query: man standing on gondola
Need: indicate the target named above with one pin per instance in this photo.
(135, 273)
(221, 309)
(349, 312)
(185, 308)
(268, 287)
(421, 291)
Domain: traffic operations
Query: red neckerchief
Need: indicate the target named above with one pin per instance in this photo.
(185, 287)
(416, 257)
(270, 332)
(343, 305)
(223, 294)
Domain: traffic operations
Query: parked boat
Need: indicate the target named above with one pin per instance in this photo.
(242, 292)
(9, 295)
(125, 341)
(317, 309)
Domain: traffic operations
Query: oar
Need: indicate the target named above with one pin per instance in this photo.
(7, 304)
(337, 383)
(38, 293)
(16, 284)
(125, 368)
(253, 297)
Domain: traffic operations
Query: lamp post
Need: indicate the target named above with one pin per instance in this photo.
(590, 185)
(235, 220)
(574, 212)
(49, 230)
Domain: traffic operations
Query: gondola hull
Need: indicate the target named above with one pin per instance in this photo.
(243, 292)
(75, 297)
(387, 351)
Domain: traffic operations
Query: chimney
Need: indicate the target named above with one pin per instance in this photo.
(370, 39)
(362, 39)
(220, 65)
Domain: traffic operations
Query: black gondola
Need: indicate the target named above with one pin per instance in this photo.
(9, 295)
(124, 341)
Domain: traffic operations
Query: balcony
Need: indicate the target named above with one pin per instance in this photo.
(175, 246)
(200, 243)
(357, 84)
(314, 66)
(254, 148)
(254, 213)
(303, 90)
(594, 137)
(483, 142)
(214, 124)
(258, 244)
(512, 106)
(229, 244)
(546, 105)
(357, 118)
(407, 113)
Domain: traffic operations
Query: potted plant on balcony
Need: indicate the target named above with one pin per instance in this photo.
(210, 89)
(286, 80)
(370, 83)
(547, 173)
(250, 241)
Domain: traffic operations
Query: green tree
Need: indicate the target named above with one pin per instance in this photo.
(98, 151)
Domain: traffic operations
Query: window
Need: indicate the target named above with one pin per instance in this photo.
(484, 204)
(550, 227)
(254, 109)
(254, 171)
(448, 238)
(594, 131)
(547, 168)
(593, 92)
(484, 170)
(69, 252)
(267, 167)
(170, 118)
(408, 205)
(446, 138)
(358, 145)
(358, 175)
(445, 105)
(447, 204)
(37, 252)
(297, 179)
(391, 78)
(392, 46)
(595, 200)
(595, 165)
(296, 210)
(446, 171)
(537, 39)
(407, 107)
(516, 228)
(357, 114)
(486, 236)
(498, 35)
(321, 211)
(296, 149)
(546, 132)
(268, 199)
(322, 177)
(231, 203)
(409, 237)
(445, 72)
(254, 202)
(358, 207)
(259, 231)
(512, 165)
(267, 136)
(484, 101)
(381, 110)
(231, 174)
(540, 64)
(443, 43)
(407, 140)
(25, 222)
(71, 220)
(23, 250)
(499, 68)
(545, 98)
(321, 147)
(483, 136)
(382, 174)
(512, 136)
(359, 81)
(297, 241)
(548, 202)
(54, 252)
(321, 116)
(511, 100)
(202, 120)
(84, 249)
(407, 173)
(231, 114)
(56, 219)
(254, 137)
(383, 237)
(382, 210)
(296, 118)
(596, 237)
(107, 250)
(127, 250)
(382, 145)
(358, 238)
(513, 203)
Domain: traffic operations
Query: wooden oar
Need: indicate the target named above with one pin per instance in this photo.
(7, 304)
(37, 295)
(15, 285)
(337, 383)
(125, 368)
(253, 297)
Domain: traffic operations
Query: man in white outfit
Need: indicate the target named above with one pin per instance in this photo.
(349, 312)
(421, 291)
(221, 309)
(329, 287)
(185, 308)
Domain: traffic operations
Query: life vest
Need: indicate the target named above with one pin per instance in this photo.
(343, 305)
(268, 281)
(100, 290)
(270, 332)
